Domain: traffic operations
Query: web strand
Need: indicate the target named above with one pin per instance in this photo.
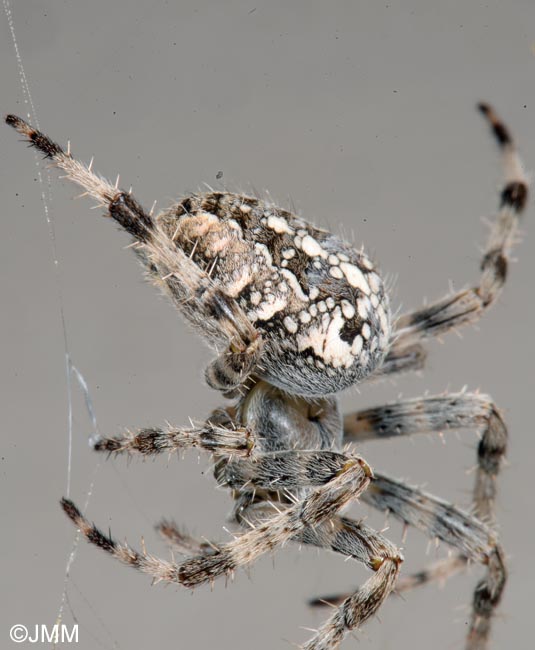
(70, 369)
(31, 114)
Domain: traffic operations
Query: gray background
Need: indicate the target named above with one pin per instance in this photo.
(361, 115)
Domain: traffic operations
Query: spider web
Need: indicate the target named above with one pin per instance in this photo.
(71, 371)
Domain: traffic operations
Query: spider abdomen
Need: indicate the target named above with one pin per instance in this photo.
(319, 304)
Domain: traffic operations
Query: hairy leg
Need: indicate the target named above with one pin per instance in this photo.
(239, 463)
(441, 520)
(340, 534)
(438, 414)
(212, 313)
(402, 359)
(468, 535)
(153, 441)
(182, 542)
(319, 505)
(311, 520)
(436, 572)
(469, 305)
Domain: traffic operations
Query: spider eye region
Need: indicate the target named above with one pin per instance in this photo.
(319, 304)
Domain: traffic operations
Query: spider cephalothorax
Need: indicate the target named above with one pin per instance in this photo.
(297, 315)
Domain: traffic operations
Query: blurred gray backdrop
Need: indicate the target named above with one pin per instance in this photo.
(361, 116)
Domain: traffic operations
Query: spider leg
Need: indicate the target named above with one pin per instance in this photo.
(469, 305)
(437, 572)
(351, 539)
(312, 520)
(181, 542)
(212, 313)
(338, 534)
(468, 535)
(319, 505)
(153, 441)
(358, 607)
(287, 469)
(472, 538)
(402, 359)
(438, 519)
(283, 470)
(437, 414)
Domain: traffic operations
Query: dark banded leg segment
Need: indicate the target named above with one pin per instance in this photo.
(351, 539)
(242, 466)
(182, 542)
(354, 539)
(318, 506)
(282, 470)
(469, 536)
(215, 315)
(154, 441)
(474, 540)
(338, 534)
(357, 608)
(469, 305)
(404, 359)
(437, 572)
(439, 414)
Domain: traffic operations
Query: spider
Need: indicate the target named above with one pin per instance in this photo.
(296, 315)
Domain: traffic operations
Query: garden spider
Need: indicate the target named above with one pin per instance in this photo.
(297, 315)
